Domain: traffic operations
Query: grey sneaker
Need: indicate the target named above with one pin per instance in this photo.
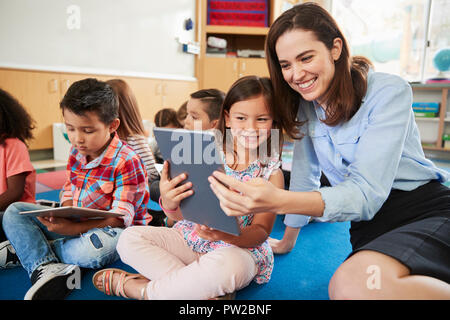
(50, 281)
(8, 256)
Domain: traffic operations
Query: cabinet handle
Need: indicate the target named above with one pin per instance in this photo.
(158, 89)
(53, 86)
(243, 66)
(235, 66)
(65, 86)
(164, 89)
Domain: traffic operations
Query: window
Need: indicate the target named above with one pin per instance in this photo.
(393, 33)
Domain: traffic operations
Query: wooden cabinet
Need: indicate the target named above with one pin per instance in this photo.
(221, 72)
(433, 129)
(41, 92)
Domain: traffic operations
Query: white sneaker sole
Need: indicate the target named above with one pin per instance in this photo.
(54, 287)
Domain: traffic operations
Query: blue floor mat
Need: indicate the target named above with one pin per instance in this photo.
(303, 273)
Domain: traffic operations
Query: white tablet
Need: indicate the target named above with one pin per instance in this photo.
(69, 212)
(196, 153)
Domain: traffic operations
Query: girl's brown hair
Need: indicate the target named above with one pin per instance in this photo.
(129, 115)
(15, 121)
(349, 84)
(167, 117)
(247, 88)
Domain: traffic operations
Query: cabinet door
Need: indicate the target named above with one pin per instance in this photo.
(176, 92)
(39, 93)
(253, 66)
(67, 79)
(148, 94)
(220, 73)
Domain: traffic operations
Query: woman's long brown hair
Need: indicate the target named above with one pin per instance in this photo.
(129, 115)
(349, 84)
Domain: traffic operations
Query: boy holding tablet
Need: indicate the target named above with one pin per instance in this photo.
(102, 173)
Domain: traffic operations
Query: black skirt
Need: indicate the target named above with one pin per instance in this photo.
(412, 227)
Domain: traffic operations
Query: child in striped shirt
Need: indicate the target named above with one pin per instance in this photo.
(102, 173)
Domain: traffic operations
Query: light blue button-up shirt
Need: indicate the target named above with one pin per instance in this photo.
(377, 150)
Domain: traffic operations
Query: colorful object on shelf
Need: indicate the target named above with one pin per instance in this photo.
(441, 60)
(446, 140)
(249, 13)
(426, 109)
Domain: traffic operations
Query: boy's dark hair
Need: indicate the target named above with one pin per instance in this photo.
(213, 99)
(166, 117)
(92, 95)
(15, 122)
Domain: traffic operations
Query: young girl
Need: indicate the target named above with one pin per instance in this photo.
(190, 261)
(17, 175)
(131, 129)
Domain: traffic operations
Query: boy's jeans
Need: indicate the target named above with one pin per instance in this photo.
(35, 245)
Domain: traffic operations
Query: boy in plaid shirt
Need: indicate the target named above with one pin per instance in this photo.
(102, 173)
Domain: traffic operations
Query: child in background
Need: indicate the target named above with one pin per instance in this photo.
(182, 113)
(164, 118)
(102, 173)
(17, 175)
(203, 109)
(131, 129)
(190, 261)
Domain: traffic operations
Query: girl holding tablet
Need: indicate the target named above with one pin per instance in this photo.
(190, 261)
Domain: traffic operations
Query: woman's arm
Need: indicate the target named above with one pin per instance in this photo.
(259, 195)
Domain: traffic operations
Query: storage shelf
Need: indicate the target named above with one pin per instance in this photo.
(435, 148)
(428, 119)
(257, 31)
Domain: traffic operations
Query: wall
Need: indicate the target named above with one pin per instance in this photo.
(120, 37)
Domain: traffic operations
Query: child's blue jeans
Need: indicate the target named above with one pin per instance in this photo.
(35, 245)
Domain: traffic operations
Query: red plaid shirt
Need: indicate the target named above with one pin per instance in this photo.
(115, 181)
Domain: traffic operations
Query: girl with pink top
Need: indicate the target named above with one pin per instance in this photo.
(190, 261)
(17, 174)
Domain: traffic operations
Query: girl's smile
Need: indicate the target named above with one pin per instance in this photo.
(250, 123)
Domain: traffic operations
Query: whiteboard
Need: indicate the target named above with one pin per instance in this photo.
(109, 36)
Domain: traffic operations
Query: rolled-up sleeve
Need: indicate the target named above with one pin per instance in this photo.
(305, 176)
(377, 155)
(131, 190)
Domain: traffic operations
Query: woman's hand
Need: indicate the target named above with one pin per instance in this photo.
(239, 198)
(171, 191)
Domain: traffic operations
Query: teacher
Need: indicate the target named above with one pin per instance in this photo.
(357, 127)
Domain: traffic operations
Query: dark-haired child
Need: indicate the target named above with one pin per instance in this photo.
(102, 173)
(17, 175)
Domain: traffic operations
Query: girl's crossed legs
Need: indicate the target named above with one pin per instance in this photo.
(178, 272)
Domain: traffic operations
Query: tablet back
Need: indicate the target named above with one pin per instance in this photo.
(196, 153)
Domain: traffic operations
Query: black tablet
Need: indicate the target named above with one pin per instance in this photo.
(197, 154)
(74, 213)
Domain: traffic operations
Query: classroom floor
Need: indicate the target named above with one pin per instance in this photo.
(302, 274)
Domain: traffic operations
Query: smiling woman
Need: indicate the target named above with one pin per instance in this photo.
(340, 113)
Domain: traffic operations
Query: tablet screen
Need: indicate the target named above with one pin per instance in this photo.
(197, 154)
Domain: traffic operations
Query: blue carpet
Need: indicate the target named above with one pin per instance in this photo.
(303, 273)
